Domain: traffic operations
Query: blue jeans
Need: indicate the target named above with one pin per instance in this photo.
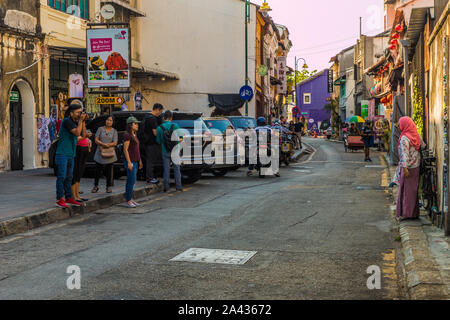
(176, 171)
(64, 166)
(131, 179)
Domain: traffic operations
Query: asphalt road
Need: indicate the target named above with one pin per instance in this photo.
(315, 231)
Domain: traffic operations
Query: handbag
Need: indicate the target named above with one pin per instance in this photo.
(107, 152)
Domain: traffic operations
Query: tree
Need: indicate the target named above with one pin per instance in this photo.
(301, 75)
(333, 109)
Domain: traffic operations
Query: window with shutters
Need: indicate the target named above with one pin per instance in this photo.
(79, 8)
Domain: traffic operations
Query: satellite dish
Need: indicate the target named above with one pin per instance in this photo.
(108, 12)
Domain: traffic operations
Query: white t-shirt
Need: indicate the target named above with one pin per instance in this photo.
(76, 86)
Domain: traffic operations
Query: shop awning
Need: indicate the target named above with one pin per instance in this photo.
(126, 5)
(141, 72)
(416, 25)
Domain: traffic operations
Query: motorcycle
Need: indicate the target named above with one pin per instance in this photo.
(286, 149)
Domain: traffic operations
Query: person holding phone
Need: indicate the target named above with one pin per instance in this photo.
(72, 127)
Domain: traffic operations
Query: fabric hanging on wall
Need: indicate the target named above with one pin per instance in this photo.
(44, 141)
(52, 128)
(76, 86)
(226, 103)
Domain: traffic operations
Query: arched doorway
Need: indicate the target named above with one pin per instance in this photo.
(22, 126)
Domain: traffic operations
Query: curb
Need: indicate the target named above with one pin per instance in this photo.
(423, 277)
(38, 219)
(302, 152)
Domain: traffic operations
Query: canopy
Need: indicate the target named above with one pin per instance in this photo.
(226, 103)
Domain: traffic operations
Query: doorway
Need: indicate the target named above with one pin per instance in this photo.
(16, 131)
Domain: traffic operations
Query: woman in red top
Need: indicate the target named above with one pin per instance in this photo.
(132, 158)
(84, 146)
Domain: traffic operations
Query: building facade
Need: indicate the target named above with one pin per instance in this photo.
(312, 96)
(21, 84)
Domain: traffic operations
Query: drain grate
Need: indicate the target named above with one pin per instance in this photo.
(235, 257)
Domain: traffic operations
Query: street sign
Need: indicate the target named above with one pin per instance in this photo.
(14, 96)
(246, 93)
(109, 100)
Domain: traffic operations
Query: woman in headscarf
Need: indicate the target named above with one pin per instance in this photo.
(408, 170)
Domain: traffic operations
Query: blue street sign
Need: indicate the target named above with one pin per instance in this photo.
(246, 93)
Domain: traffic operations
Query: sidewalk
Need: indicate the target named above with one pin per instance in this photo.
(27, 199)
(426, 254)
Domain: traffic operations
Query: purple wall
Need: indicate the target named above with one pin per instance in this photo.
(318, 87)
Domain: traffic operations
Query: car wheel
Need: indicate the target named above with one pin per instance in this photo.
(219, 172)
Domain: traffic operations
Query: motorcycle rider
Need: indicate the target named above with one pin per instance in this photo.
(261, 127)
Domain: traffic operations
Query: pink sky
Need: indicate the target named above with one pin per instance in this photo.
(319, 29)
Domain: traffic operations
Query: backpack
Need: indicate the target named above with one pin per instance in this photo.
(168, 143)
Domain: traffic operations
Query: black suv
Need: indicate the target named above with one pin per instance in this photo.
(190, 172)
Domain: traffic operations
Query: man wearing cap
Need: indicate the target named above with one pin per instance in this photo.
(132, 160)
(72, 127)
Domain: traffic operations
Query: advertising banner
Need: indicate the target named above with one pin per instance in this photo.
(108, 58)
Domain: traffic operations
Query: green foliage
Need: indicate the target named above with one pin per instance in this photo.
(333, 109)
(301, 75)
(418, 107)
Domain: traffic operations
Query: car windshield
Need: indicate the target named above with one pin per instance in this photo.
(190, 124)
(220, 125)
(243, 123)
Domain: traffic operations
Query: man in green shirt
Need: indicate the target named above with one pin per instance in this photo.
(162, 136)
(72, 127)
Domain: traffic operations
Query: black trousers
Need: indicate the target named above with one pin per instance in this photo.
(106, 169)
(153, 155)
(80, 164)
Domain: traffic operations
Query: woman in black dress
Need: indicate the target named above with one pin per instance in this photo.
(367, 138)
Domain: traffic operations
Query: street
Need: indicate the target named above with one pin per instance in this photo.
(315, 230)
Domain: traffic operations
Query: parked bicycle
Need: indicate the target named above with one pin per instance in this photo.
(428, 197)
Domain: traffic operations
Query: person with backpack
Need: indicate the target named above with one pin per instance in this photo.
(164, 138)
(152, 149)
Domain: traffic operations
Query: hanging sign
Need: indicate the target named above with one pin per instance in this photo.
(108, 12)
(14, 96)
(282, 69)
(108, 56)
(330, 81)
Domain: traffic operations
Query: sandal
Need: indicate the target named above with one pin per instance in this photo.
(94, 189)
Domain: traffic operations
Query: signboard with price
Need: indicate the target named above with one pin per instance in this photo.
(246, 93)
(109, 100)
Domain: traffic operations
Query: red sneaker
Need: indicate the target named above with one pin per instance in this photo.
(61, 203)
(73, 202)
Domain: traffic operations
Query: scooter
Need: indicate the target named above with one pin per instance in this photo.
(286, 149)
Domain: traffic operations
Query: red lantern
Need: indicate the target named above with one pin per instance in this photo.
(394, 42)
(392, 48)
(396, 36)
(399, 27)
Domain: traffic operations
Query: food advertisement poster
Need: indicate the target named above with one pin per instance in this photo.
(108, 58)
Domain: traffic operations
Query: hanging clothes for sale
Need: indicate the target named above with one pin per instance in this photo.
(44, 141)
(76, 86)
(52, 129)
(138, 100)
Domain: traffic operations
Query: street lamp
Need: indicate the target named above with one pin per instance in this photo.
(264, 8)
(305, 66)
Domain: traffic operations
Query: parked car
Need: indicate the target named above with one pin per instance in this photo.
(244, 123)
(190, 172)
(231, 157)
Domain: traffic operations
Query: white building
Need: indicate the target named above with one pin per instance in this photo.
(189, 49)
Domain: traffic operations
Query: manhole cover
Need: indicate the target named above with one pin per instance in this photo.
(215, 256)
